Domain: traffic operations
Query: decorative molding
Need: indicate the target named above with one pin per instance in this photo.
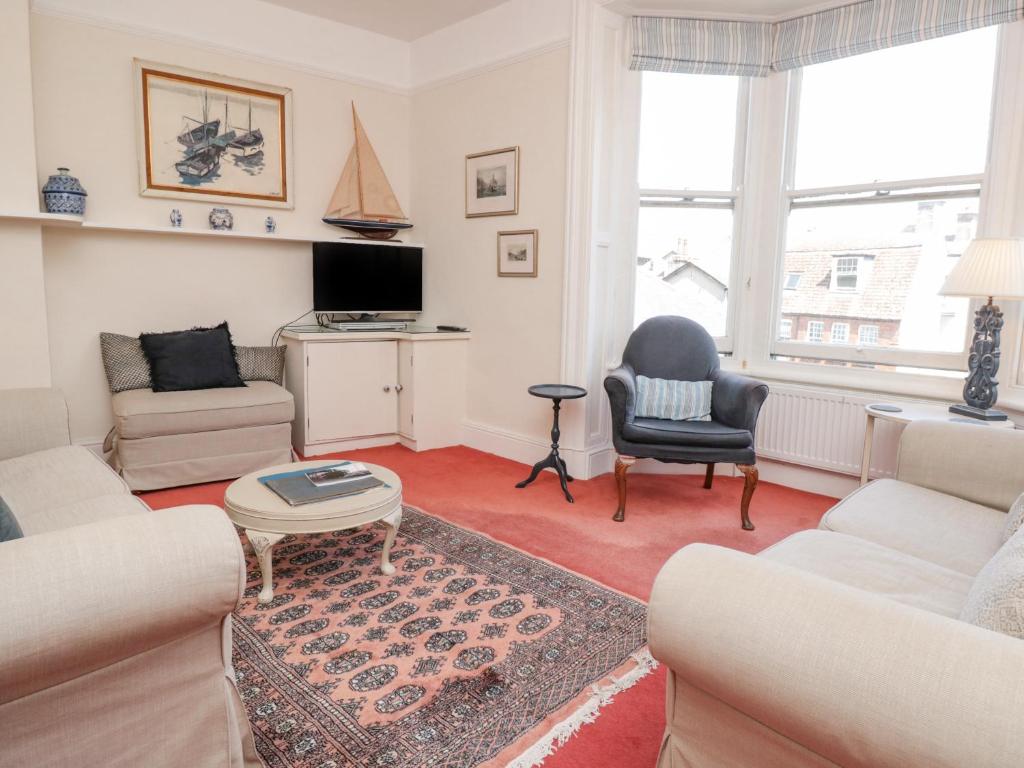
(406, 87)
(521, 448)
(492, 66)
(80, 15)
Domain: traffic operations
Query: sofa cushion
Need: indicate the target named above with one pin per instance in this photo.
(84, 511)
(702, 433)
(36, 484)
(124, 362)
(917, 521)
(261, 363)
(144, 413)
(874, 568)
(996, 599)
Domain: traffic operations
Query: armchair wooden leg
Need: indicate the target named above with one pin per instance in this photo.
(622, 465)
(749, 484)
(709, 475)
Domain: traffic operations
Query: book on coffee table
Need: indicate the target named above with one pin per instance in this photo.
(299, 487)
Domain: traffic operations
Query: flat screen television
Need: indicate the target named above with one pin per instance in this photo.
(367, 278)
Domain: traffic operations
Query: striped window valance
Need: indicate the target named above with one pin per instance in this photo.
(703, 46)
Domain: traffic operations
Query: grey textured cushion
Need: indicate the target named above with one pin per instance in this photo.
(9, 528)
(261, 363)
(125, 364)
(1015, 518)
(996, 599)
(127, 368)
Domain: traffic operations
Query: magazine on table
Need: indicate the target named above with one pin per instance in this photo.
(306, 486)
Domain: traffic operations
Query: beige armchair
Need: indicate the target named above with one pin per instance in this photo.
(841, 646)
(115, 643)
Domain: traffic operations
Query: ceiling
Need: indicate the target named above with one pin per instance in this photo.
(403, 19)
(766, 9)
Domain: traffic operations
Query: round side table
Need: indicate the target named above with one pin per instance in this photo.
(556, 393)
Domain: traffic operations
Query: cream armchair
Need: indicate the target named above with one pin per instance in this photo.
(115, 642)
(841, 646)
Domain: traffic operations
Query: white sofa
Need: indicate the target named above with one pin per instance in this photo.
(115, 620)
(841, 646)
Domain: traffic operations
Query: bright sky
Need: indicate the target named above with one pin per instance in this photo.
(910, 112)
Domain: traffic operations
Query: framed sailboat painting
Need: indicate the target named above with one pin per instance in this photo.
(214, 138)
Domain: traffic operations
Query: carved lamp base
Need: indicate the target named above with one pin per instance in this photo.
(982, 414)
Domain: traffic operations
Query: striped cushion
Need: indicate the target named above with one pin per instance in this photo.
(675, 400)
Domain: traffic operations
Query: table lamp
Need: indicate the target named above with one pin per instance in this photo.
(992, 268)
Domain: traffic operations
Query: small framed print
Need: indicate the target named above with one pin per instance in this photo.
(492, 183)
(517, 253)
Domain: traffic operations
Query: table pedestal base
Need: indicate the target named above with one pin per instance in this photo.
(557, 463)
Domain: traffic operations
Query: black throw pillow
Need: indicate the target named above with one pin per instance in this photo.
(203, 358)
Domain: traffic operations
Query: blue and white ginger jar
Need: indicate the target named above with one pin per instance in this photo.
(63, 193)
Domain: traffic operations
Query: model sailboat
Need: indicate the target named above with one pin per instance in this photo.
(363, 202)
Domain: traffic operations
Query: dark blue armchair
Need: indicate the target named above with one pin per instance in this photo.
(676, 348)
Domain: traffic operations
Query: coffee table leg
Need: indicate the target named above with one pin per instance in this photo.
(263, 546)
(392, 522)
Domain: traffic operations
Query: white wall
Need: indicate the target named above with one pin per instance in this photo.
(516, 322)
(102, 281)
(23, 344)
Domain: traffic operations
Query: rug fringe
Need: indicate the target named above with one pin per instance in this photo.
(587, 713)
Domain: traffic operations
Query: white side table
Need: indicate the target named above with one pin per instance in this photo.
(913, 412)
(267, 518)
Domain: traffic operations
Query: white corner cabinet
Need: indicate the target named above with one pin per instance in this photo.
(360, 389)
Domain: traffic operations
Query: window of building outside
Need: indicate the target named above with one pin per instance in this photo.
(867, 334)
(688, 170)
(884, 187)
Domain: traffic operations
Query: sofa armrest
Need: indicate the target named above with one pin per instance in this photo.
(736, 400)
(856, 678)
(32, 420)
(973, 462)
(82, 598)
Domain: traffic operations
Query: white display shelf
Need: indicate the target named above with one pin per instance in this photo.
(63, 220)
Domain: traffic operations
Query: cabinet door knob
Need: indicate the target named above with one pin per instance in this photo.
(387, 387)
(399, 387)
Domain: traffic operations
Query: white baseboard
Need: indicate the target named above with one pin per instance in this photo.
(521, 448)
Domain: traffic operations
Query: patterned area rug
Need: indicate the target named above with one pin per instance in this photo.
(472, 654)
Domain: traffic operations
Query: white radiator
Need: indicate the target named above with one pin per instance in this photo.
(802, 425)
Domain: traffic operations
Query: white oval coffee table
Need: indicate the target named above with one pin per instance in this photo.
(267, 518)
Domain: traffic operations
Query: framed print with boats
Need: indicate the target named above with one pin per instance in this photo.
(214, 138)
(492, 183)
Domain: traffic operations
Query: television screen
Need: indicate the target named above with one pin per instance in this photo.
(367, 277)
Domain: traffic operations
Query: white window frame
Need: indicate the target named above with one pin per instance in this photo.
(715, 199)
(860, 334)
(819, 326)
(786, 323)
(845, 262)
(846, 333)
(795, 283)
(903, 190)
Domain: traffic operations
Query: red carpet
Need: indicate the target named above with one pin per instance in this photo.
(476, 491)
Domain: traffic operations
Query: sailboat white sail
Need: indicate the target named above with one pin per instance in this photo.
(363, 201)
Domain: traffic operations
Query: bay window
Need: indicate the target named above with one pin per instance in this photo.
(884, 170)
(692, 143)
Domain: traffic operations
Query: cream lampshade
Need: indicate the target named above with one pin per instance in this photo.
(989, 268)
(993, 269)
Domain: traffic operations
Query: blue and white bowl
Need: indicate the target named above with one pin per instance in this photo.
(63, 193)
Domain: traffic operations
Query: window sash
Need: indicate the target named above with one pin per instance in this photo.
(904, 190)
(730, 199)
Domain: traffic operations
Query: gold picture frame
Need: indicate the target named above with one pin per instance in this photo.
(492, 183)
(518, 253)
(213, 138)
